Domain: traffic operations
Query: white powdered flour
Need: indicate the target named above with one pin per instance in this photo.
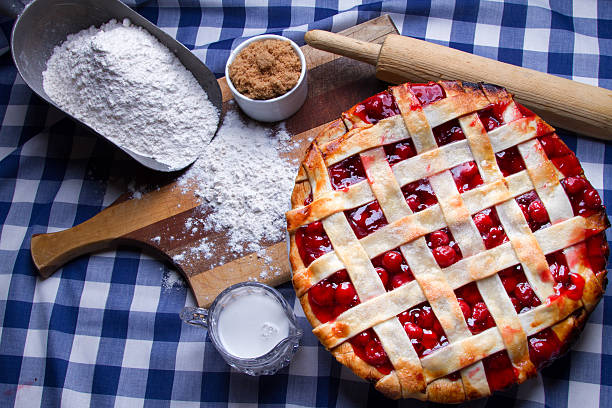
(247, 185)
(126, 85)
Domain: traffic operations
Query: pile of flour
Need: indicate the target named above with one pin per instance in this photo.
(243, 179)
(122, 82)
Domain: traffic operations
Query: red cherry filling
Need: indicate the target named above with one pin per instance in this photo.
(399, 151)
(443, 246)
(454, 376)
(448, 132)
(308, 199)
(466, 176)
(490, 228)
(510, 161)
(419, 195)
(499, 370)
(347, 172)
(493, 115)
(566, 283)
(543, 347)
(376, 108)
(518, 288)
(597, 251)
(526, 113)
(584, 198)
(312, 242)
(367, 347)
(561, 156)
(428, 93)
(366, 219)
(392, 269)
(534, 211)
(423, 329)
(474, 309)
(332, 296)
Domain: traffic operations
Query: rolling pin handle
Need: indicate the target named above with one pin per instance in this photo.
(339, 44)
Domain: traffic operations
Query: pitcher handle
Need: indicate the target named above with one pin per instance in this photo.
(196, 316)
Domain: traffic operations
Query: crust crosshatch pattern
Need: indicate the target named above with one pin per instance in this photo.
(444, 241)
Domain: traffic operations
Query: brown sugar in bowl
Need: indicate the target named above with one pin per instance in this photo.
(265, 69)
(277, 108)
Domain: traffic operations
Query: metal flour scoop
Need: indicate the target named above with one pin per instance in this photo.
(44, 24)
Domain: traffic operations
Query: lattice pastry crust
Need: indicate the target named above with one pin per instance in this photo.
(457, 368)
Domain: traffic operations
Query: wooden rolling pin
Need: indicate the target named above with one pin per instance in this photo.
(581, 108)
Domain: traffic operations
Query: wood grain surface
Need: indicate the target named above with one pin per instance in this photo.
(163, 212)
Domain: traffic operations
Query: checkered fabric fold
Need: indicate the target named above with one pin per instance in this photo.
(105, 330)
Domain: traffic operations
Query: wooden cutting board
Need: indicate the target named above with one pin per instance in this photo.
(156, 221)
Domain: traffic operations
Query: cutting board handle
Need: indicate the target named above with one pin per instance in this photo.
(113, 224)
(339, 44)
(51, 251)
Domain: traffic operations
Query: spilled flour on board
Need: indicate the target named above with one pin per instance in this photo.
(242, 178)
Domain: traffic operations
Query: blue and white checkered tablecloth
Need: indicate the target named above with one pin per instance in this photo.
(105, 331)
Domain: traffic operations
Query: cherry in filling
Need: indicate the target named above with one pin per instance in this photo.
(597, 251)
(443, 246)
(561, 156)
(392, 269)
(466, 176)
(567, 283)
(308, 199)
(428, 93)
(584, 198)
(366, 219)
(510, 161)
(332, 296)
(312, 242)
(423, 329)
(448, 132)
(399, 151)
(518, 289)
(367, 347)
(475, 311)
(499, 370)
(525, 112)
(490, 228)
(419, 195)
(377, 107)
(534, 211)
(543, 347)
(454, 376)
(347, 172)
(493, 115)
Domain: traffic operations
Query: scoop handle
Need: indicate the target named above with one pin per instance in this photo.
(342, 45)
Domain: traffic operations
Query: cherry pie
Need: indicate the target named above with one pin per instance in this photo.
(444, 241)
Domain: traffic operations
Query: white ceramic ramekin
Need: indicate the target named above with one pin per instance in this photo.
(275, 109)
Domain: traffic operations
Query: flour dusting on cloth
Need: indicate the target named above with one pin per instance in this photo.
(242, 178)
(126, 85)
